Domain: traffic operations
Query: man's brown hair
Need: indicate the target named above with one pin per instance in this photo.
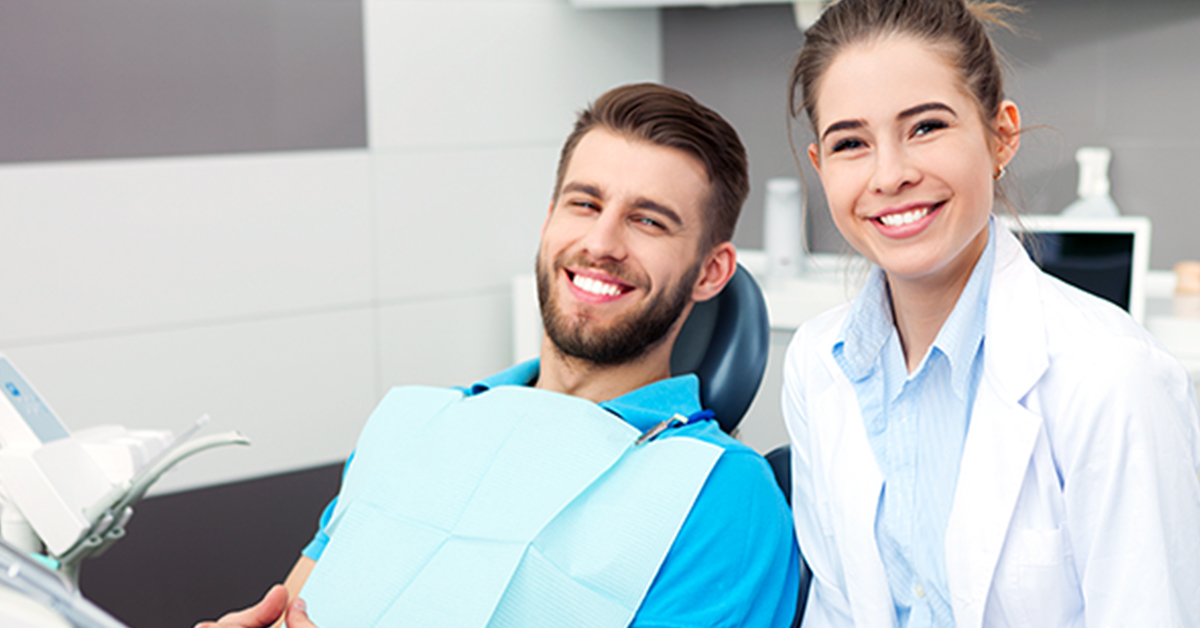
(668, 117)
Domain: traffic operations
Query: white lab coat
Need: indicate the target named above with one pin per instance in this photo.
(1077, 502)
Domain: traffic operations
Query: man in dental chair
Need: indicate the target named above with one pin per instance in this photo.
(550, 494)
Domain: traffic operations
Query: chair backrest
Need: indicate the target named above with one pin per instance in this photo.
(780, 460)
(725, 341)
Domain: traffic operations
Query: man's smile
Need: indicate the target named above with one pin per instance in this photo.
(596, 285)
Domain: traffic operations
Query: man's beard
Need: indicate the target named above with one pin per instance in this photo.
(626, 338)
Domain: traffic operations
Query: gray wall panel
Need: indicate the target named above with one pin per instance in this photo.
(736, 61)
(1084, 72)
(140, 78)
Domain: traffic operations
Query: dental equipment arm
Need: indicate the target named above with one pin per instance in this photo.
(111, 513)
(73, 493)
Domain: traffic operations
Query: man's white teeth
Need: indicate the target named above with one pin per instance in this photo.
(594, 286)
(904, 218)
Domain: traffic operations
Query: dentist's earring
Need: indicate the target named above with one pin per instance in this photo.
(999, 173)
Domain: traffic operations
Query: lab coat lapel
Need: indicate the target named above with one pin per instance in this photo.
(857, 481)
(1015, 351)
(994, 464)
(1002, 433)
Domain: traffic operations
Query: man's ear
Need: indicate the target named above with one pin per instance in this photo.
(717, 269)
(549, 213)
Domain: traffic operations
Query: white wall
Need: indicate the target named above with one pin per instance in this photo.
(282, 293)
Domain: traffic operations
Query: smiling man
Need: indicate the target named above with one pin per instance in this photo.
(550, 494)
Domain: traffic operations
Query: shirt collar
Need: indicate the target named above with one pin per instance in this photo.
(523, 374)
(867, 327)
(642, 408)
(963, 331)
(870, 323)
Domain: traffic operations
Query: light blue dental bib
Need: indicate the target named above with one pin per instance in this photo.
(515, 507)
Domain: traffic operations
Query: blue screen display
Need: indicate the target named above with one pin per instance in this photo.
(37, 415)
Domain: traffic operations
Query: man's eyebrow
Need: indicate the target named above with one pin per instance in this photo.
(657, 208)
(929, 106)
(641, 202)
(584, 188)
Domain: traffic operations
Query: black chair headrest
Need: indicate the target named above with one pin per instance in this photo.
(725, 342)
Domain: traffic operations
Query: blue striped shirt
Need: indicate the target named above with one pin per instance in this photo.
(917, 426)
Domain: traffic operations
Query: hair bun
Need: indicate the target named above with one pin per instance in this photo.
(994, 13)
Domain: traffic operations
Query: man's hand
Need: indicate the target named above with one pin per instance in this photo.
(297, 615)
(266, 612)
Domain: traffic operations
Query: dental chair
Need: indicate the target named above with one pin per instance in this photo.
(34, 596)
(725, 342)
(780, 460)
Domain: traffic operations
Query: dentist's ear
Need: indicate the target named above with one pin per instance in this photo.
(1008, 132)
(814, 156)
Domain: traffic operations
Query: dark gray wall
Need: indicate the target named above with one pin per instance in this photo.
(140, 78)
(1085, 72)
(736, 60)
(197, 554)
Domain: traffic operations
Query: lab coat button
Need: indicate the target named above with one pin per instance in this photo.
(919, 590)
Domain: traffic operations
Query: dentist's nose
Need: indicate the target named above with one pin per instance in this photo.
(893, 171)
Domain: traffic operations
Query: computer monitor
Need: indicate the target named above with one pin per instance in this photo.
(1107, 257)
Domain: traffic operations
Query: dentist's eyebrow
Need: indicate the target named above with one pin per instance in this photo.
(929, 106)
(661, 210)
(849, 125)
(844, 125)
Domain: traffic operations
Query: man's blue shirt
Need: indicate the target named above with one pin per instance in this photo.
(734, 561)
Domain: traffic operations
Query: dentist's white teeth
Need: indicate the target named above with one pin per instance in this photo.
(904, 218)
(595, 286)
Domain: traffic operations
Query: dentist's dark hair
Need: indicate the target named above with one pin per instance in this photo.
(957, 28)
(668, 117)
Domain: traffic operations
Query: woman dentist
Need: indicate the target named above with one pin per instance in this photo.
(975, 443)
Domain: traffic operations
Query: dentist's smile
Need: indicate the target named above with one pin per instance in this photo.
(907, 220)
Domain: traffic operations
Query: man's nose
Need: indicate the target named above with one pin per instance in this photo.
(605, 238)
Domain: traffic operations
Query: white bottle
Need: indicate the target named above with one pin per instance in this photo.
(1094, 200)
(783, 229)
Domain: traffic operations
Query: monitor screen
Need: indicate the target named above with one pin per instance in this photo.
(1101, 263)
(1107, 257)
